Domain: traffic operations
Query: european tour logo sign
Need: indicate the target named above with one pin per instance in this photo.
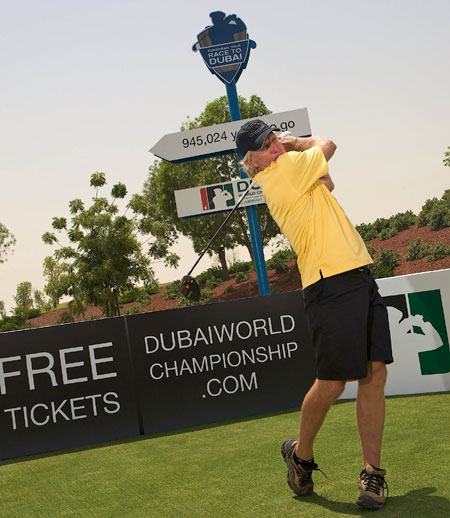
(418, 308)
(419, 319)
(210, 199)
(224, 46)
(218, 197)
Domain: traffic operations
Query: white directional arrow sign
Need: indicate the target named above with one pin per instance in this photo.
(220, 139)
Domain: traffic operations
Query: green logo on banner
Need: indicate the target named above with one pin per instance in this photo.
(429, 305)
(419, 318)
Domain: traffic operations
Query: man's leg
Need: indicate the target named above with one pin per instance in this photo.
(370, 412)
(315, 407)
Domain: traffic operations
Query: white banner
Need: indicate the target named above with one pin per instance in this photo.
(218, 197)
(419, 317)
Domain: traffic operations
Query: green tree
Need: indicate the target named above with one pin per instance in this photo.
(436, 212)
(103, 258)
(7, 242)
(39, 300)
(27, 306)
(13, 323)
(447, 157)
(157, 201)
(23, 299)
(2, 310)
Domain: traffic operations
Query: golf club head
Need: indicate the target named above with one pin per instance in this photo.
(190, 288)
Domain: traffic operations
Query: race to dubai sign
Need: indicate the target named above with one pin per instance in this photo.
(224, 46)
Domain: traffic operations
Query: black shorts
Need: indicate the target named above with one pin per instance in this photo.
(349, 324)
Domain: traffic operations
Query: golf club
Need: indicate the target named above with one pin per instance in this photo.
(189, 286)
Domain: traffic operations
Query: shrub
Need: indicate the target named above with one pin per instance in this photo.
(205, 294)
(137, 308)
(388, 257)
(278, 264)
(128, 296)
(241, 277)
(152, 289)
(371, 250)
(278, 261)
(13, 323)
(184, 302)
(290, 276)
(214, 272)
(380, 223)
(173, 290)
(285, 253)
(213, 283)
(229, 289)
(33, 313)
(144, 299)
(384, 264)
(438, 251)
(422, 220)
(424, 214)
(367, 231)
(436, 212)
(387, 233)
(446, 197)
(403, 220)
(275, 289)
(241, 266)
(65, 318)
(440, 215)
(417, 250)
(140, 294)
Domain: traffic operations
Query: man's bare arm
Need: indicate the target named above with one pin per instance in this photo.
(327, 146)
(328, 182)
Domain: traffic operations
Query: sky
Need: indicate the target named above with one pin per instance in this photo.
(92, 85)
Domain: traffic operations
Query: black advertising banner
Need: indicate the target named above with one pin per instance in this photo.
(220, 361)
(75, 384)
(65, 386)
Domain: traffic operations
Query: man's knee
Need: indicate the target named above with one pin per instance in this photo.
(376, 375)
(332, 389)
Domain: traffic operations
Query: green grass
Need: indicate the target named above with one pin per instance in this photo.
(234, 469)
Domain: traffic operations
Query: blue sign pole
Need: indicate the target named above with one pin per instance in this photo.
(225, 49)
(252, 216)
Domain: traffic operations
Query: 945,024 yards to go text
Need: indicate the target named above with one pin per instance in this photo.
(210, 138)
(220, 138)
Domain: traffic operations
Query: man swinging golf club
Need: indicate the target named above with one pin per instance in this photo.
(346, 315)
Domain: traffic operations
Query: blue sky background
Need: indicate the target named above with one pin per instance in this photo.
(92, 85)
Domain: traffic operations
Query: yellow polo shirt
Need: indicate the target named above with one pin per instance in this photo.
(317, 228)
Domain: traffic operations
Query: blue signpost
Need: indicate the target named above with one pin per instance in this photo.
(225, 49)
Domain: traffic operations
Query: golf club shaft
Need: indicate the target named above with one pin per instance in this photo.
(221, 226)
